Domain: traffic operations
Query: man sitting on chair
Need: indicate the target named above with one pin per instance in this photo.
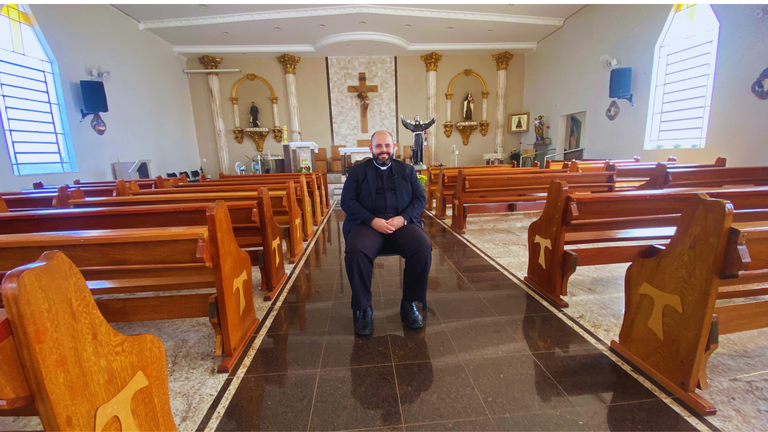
(383, 201)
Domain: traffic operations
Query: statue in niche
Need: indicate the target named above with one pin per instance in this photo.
(469, 106)
(418, 128)
(254, 120)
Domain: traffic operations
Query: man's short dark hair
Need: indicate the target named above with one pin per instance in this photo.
(390, 135)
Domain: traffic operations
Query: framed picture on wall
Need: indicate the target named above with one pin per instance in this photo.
(518, 123)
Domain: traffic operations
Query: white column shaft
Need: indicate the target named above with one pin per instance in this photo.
(448, 109)
(293, 106)
(236, 110)
(431, 113)
(485, 109)
(275, 116)
(218, 122)
(501, 108)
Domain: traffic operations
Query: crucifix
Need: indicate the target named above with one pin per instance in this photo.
(362, 91)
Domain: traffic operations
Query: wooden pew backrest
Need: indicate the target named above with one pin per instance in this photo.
(83, 374)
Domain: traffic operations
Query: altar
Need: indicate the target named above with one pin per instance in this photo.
(299, 156)
(350, 155)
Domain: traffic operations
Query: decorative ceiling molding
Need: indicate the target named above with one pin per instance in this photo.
(473, 46)
(225, 49)
(364, 37)
(353, 37)
(352, 9)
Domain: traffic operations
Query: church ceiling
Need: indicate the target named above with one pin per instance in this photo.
(261, 30)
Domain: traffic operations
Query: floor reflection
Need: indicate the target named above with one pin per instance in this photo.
(490, 356)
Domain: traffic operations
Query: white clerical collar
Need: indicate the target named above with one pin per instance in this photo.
(383, 168)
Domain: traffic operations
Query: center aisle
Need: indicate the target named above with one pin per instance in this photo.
(490, 357)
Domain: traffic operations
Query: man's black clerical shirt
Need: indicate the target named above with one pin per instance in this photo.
(386, 195)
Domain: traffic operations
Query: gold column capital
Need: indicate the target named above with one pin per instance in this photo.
(502, 60)
(273, 99)
(431, 60)
(449, 95)
(289, 63)
(485, 94)
(234, 100)
(210, 62)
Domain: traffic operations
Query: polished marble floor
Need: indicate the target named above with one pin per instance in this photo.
(490, 357)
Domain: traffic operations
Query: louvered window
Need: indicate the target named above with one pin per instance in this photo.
(684, 72)
(30, 98)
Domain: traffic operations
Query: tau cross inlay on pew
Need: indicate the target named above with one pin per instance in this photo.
(362, 91)
(120, 405)
(544, 243)
(237, 284)
(660, 300)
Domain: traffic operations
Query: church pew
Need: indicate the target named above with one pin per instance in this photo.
(317, 193)
(248, 229)
(155, 262)
(309, 185)
(287, 214)
(24, 200)
(282, 200)
(673, 344)
(433, 176)
(708, 177)
(317, 183)
(448, 179)
(627, 218)
(157, 182)
(321, 185)
(61, 361)
(497, 194)
(643, 176)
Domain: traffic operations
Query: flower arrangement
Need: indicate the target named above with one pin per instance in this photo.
(423, 181)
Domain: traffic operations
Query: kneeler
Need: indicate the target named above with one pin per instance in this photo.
(81, 374)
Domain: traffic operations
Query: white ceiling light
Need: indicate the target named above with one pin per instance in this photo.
(407, 25)
(202, 6)
(321, 25)
(363, 23)
(277, 28)
(449, 28)
(489, 30)
(225, 32)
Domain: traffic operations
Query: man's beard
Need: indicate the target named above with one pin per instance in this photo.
(383, 163)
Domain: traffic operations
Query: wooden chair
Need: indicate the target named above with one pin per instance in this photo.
(59, 357)
(671, 322)
(152, 260)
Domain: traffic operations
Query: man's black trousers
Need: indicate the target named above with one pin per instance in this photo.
(364, 243)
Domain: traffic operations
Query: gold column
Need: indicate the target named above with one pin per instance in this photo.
(212, 63)
(430, 61)
(289, 63)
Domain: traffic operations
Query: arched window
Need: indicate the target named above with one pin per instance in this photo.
(33, 115)
(681, 86)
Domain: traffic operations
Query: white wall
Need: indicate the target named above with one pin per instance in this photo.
(150, 110)
(564, 75)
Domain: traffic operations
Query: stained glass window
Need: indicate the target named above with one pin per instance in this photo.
(34, 122)
(682, 82)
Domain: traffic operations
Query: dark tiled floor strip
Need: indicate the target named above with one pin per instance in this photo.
(490, 357)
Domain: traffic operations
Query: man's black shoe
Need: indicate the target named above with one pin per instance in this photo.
(410, 316)
(363, 321)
